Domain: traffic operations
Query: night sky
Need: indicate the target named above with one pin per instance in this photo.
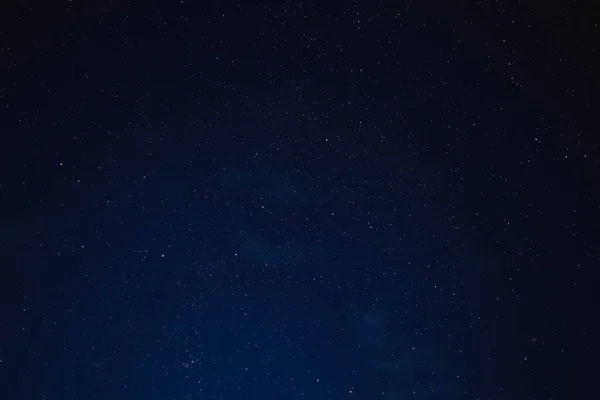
(299, 200)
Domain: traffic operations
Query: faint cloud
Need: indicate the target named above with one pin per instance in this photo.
(273, 187)
(260, 248)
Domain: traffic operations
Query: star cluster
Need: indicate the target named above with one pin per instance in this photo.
(298, 200)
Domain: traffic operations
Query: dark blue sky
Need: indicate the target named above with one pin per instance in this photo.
(298, 200)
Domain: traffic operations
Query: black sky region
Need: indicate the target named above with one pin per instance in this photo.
(299, 200)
